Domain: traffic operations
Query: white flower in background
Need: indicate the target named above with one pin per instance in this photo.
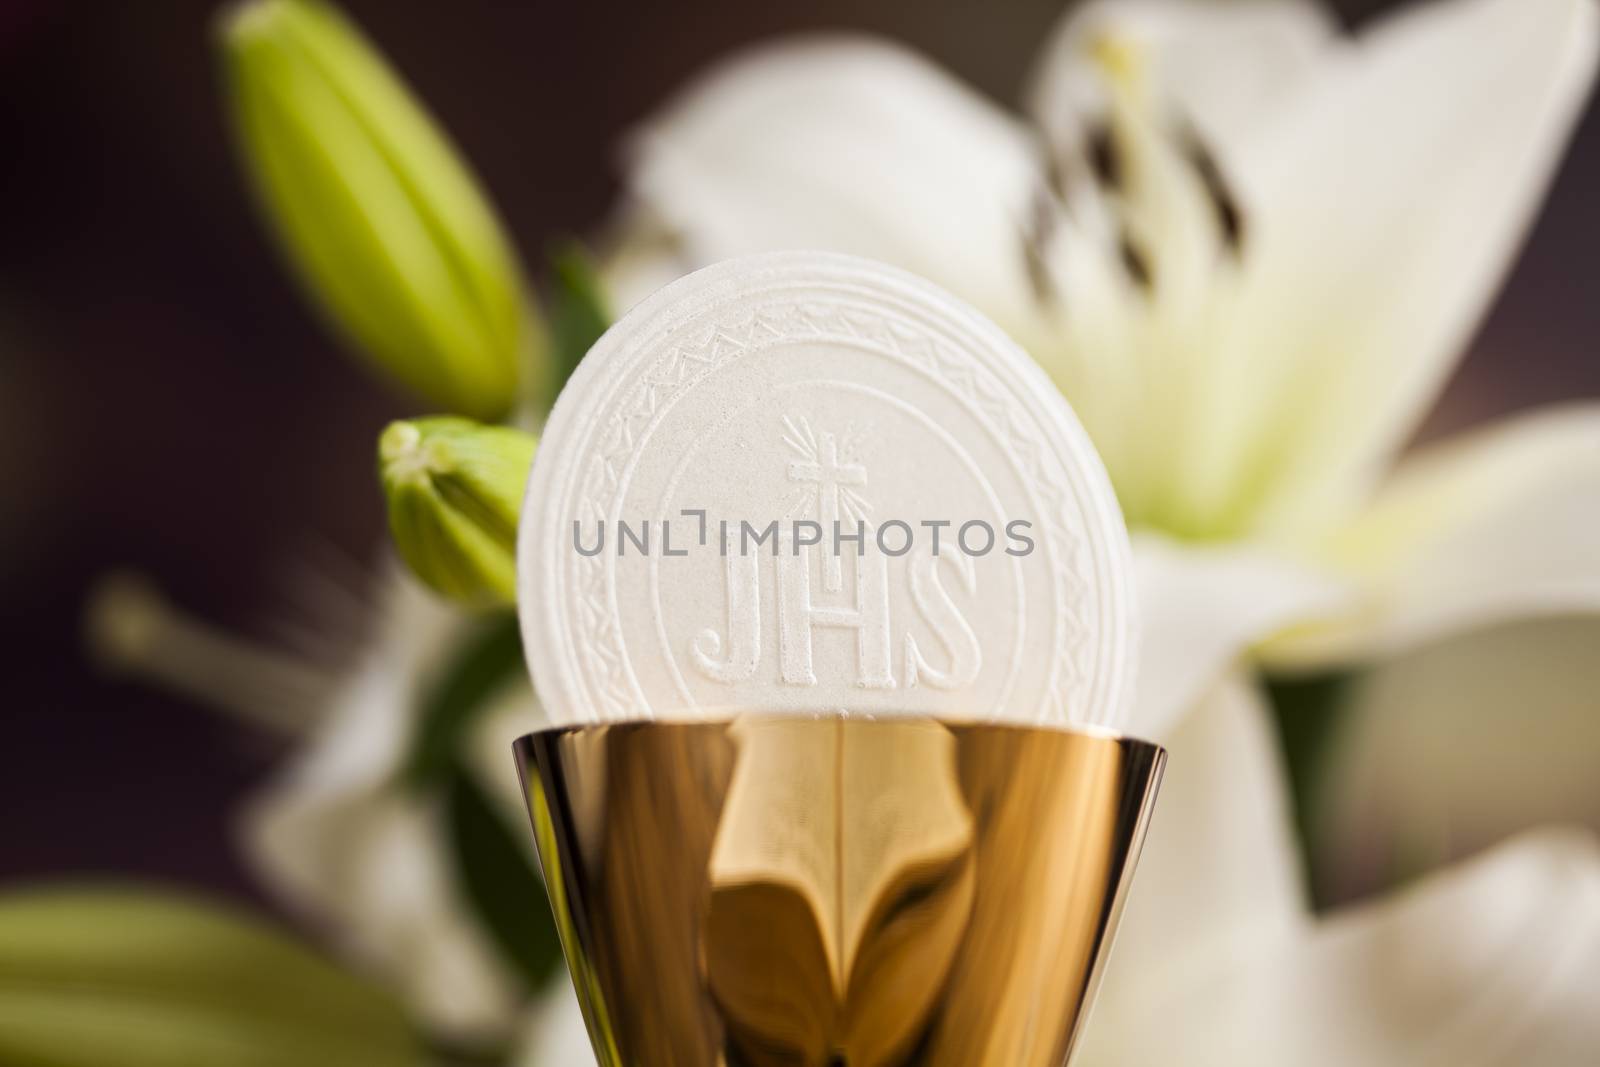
(335, 834)
(1249, 248)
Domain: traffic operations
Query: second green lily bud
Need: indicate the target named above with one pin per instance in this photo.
(454, 490)
(390, 233)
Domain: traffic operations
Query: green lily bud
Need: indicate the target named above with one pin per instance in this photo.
(124, 978)
(454, 489)
(388, 230)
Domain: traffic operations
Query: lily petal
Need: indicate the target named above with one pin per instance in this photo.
(555, 1033)
(375, 871)
(1505, 720)
(1227, 66)
(1202, 607)
(1494, 526)
(848, 144)
(1388, 199)
(1219, 879)
(1493, 964)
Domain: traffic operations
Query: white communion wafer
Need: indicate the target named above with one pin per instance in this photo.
(808, 482)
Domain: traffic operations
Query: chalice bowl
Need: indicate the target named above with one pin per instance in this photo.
(828, 890)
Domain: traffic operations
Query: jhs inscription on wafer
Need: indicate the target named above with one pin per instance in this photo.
(797, 546)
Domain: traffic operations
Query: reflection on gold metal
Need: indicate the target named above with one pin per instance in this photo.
(836, 892)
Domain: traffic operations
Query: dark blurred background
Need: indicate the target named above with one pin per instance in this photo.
(168, 404)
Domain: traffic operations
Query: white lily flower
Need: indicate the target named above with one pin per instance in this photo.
(1228, 222)
(1249, 249)
(336, 834)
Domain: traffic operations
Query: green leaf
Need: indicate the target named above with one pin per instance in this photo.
(489, 658)
(577, 311)
(505, 890)
(1308, 715)
(389, 232)
(118, 977)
